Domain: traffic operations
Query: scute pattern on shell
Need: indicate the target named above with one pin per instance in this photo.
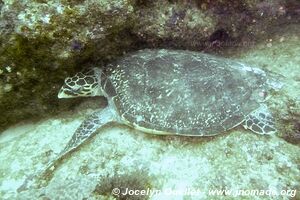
(184, 92)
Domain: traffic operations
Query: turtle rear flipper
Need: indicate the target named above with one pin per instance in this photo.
(260, 121)
(84, 132)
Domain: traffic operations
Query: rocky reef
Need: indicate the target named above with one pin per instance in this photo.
(42, 42)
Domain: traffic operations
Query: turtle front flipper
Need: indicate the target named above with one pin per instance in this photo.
(84, 132)
(260, 121)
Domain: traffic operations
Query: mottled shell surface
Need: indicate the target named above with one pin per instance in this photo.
(183, 92)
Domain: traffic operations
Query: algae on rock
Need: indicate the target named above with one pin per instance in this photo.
(41, 42)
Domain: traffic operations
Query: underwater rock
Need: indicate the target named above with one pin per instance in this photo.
(42, 41)
(123, 158)
(176, 24)
(192, 24)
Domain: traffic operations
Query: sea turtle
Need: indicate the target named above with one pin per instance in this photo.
(173, 92)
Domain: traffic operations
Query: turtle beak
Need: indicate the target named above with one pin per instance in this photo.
(63, 94)
(60, 96)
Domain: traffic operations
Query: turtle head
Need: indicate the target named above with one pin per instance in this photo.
(82, 84)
